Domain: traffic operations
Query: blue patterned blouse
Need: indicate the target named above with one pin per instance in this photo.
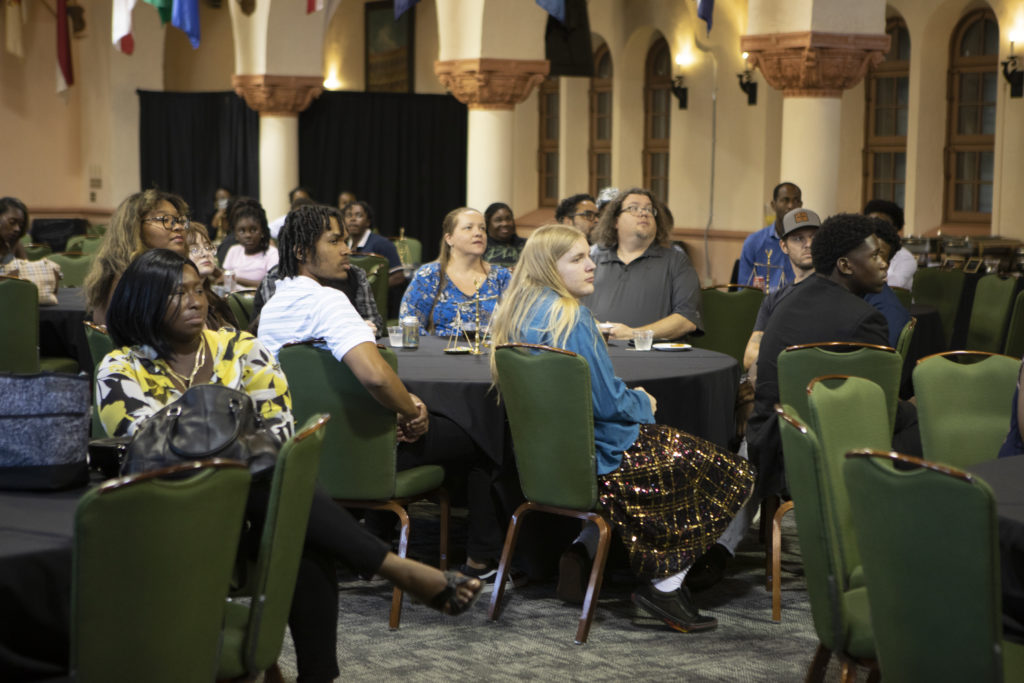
(420, 295)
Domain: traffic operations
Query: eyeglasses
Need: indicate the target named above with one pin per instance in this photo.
(589, 215)
(199, 250)
(169, 223)
(634, 210)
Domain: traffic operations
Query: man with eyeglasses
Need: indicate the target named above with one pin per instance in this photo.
(578, 211)
(641, 282)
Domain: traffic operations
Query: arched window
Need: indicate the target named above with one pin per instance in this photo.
(657, 118)
(547, 152)
(888, 88)
(973, 82)
(601, 121)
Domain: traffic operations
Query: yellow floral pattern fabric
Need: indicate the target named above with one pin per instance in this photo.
(132, 383)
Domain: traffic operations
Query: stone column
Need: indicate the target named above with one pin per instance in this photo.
(491, 88)
(812, 69)
(278, 99)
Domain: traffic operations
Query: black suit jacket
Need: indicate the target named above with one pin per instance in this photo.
(818, 310)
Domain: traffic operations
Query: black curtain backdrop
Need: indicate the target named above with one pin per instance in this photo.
(193, 143)
(405, 154)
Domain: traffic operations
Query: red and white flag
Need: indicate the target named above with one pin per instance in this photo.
(314, 6)
(121, 26)
(14, 17)
(65, 77)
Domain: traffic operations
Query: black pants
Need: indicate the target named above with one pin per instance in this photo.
(332, 535)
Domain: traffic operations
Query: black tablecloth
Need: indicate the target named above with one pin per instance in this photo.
(1005, 476)
(35, 583)
(695, 389)
(61, 332)
(928, 338)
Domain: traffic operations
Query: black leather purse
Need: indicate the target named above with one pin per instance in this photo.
(208, 421)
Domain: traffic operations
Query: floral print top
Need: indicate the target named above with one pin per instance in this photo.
(424, 287)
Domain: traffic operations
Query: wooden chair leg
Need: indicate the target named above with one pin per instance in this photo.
(445, 505)
(273, 675)
(777, 559)
(596, 577)
(768, 507)
(848, 672)
(816, 671)
(506, 556)
(403, 546)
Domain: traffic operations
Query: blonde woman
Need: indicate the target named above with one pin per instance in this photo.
(670, 494)
(459, 275)
(146, 220)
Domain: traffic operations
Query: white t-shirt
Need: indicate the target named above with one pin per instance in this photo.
(250, 266)
(302, 309)
(902, 267)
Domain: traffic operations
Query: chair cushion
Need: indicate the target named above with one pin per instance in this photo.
(1013, 661)
(418, 480)
(860, 636)
(58, 364)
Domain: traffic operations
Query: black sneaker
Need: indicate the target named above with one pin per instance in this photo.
(709, 568)
(676, 609)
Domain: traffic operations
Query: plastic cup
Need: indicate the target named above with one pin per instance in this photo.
(395, 336)
(606, 330)
(643, 339)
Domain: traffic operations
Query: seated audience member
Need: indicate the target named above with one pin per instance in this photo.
(650, 477)
(359, 224)
(762, 246)
(798, 229)
(902, 264)
(297, 194)
(253, 255)
(641, 282)
(1014, 443)
(13, 224)
(578, 211)
(459, 275)
(353, 283)
(886, 301)
(503, 244)
(314, 252)
(156, 320)
(345, 197)
(217, 221)
(203, 254)
(146, 220)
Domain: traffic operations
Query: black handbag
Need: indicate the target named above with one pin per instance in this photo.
(208, 421)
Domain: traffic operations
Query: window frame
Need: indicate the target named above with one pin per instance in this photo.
(874, 144)
(597, 146)
(545, 144)
(653, 84)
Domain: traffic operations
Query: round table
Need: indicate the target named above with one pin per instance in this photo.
(695, 389)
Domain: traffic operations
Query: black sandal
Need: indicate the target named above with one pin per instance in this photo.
(447, 600)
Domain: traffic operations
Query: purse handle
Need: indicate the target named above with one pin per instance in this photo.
(174, 412)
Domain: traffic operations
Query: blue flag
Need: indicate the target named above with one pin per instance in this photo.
(555, 8)
(402, 5)
(705, 8)
(185, 15)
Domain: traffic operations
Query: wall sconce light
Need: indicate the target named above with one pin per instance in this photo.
(680, 91)
(1013, 74)
(747, 82)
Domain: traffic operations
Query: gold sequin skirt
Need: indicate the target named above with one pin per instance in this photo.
(672, 497)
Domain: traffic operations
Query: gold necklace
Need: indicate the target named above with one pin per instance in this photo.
(200, 361)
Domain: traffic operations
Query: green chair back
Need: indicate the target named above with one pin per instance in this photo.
(990, 313)
(547, 397)
(100, 344)
(86, 244)
(904, 295)
(321, 384)
(150, 574)
(74, 266)
(97, 230)
(241, 304)
(929, 541)
(413, 249)
(254, 629)
(941, 289)
(728, 318)
(963, 409)
(906, 336)
(1015, 334)
(798, 365)
(376, 267)
(37, 251)
(19, 326)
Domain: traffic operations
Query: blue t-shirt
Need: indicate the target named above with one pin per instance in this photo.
(419, 298)
(896, 316)
(378, 244)
(618, 410)
(755, 250)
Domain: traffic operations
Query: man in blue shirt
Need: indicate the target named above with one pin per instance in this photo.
(762, 255)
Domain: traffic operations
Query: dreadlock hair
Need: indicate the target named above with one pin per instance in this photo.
(838, 236)
(247, 207)
(567, 207)
(302, 229)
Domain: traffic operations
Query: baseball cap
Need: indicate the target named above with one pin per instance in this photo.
(797, 219)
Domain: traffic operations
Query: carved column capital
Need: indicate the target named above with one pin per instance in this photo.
(491, 83)
(812, 63)
(280, 95)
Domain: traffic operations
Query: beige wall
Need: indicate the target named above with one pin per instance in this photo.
(211, 65)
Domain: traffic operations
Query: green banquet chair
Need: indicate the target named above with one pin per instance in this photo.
(376, 267)
(100, 344)
(906, 336)
(941, 289)
(990, 313)
(74, 265)
(19, 331)
(241, 304)
(1015, 333)
(729, 318)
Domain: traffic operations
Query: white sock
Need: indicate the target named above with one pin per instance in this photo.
(670, 583)
(589, 537)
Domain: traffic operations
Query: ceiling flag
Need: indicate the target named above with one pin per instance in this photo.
(705, 8)
(163, 8)
(65, 77)
(121, 26)
(555, 8)
(314, 6)
(185, 15)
